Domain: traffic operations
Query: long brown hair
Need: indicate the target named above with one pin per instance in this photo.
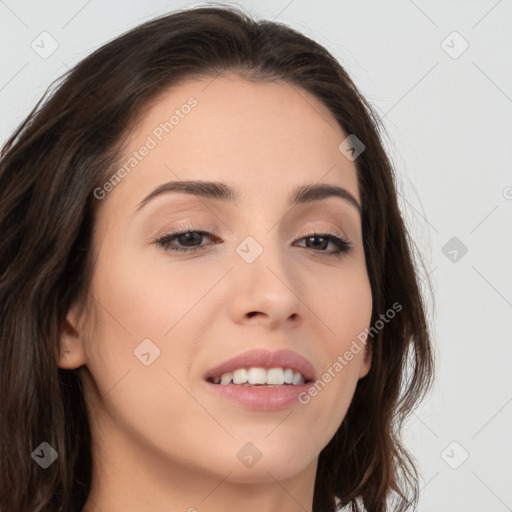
(70, 144)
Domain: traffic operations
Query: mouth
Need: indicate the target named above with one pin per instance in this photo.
(259, 397)
(263, 368)
(260, 377)
(261, 380)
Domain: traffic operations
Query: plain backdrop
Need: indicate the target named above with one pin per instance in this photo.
(440, 76)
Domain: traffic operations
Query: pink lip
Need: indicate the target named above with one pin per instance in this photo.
(259, 358)
(261, 397)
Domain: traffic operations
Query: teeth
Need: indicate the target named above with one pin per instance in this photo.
(257, 376)
(226, 378)
(261, 376)
(288, 376)
(240, 376)
(275, 376)
(297, 378)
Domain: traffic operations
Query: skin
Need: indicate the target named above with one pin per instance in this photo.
(161, 441)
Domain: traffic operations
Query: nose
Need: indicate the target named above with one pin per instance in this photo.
(266, 291)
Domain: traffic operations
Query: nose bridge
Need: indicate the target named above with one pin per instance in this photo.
(265, 281)
(263, 250)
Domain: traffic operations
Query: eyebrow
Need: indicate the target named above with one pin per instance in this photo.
(223, 192)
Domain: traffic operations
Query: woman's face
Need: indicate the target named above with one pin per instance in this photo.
(164, 318)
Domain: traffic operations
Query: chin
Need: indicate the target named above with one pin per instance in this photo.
(262, 473)
(267, 465)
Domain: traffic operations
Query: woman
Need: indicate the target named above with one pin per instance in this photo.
(207, 290)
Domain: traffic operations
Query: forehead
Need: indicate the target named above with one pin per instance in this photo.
(263, 138)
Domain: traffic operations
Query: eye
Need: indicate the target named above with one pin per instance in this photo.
(322, 240)
(187, 239)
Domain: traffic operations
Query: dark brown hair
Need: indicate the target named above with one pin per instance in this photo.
(70, 144)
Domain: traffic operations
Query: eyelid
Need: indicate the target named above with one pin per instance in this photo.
(334, 236)
(309, 230)
(322, 231)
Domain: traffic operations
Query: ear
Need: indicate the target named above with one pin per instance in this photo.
(72, 353)
(366, 361)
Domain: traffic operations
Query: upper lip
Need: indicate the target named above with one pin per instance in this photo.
(260, 358)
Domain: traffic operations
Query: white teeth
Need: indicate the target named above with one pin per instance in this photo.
(226, 378)
(275, 376)
(297, 378)
(240, 376)
(255, 376)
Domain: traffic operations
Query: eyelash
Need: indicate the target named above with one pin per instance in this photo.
(344, 246)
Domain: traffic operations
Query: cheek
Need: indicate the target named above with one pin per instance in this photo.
(344, 304)
(147, 296)
(347, 349)
(137, 301)
(345, 309)
(135, 304)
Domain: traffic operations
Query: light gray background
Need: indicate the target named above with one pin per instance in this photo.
(449, 125)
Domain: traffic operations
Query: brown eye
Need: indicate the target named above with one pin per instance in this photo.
(186, 240)
(320, 241)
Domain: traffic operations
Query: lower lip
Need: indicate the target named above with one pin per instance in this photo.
(259, 397)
